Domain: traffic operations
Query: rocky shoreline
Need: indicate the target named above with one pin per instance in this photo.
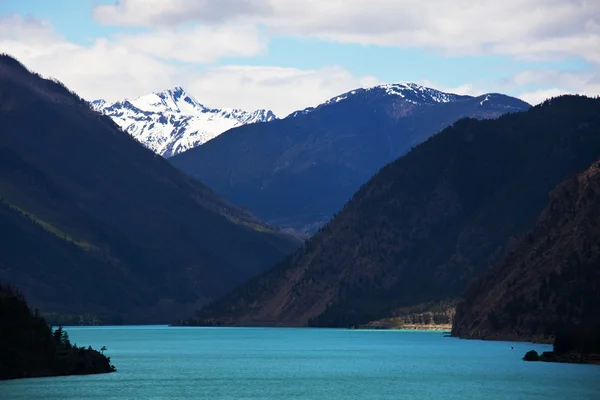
(399, 324)
(569, 358)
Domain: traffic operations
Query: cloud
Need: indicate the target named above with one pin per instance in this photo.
(123, 65)
(530, 29)
(174, 12)
(102, 69)
(200, 44)
(281, 89)
(538, 96)
(554, 83)
(129, 66)
(182, 40)
(570, 79)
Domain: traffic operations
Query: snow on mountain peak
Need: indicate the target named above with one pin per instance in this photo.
(411, 92)
(172, 121)
(414, 94)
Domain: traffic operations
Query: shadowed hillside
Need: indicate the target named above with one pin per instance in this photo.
(116, 228)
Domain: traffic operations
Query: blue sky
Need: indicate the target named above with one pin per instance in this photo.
(269, 54)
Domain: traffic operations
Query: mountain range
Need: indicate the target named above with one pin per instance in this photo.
(172, 121)
(503, 201)
(95, 223)
(425, 224)
(298, 171)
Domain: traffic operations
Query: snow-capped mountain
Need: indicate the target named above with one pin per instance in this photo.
(300, 170)
(172, 121)
(413, 94)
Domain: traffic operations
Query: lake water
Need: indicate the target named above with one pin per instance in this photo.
(156, 362)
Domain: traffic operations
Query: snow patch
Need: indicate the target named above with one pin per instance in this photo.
(172, 121)
(408, 91)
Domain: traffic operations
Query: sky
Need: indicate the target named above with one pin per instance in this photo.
(286, 55)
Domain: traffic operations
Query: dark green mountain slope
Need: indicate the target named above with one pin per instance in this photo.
(425, 224)
(29, 348)
(549, 282)
(58, 269)
(297, 172)
(153, 240)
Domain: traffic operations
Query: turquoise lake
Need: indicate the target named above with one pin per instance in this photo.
(156, 362)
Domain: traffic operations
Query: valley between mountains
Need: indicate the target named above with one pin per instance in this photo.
(390, 203)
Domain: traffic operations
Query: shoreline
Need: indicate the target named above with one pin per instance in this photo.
(408, 327)
(565, 358)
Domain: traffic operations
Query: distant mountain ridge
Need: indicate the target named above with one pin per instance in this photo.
(172, 121)
(298, 171)
(424, 225)
(417, 95)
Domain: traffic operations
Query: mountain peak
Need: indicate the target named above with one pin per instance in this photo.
(409, 91)
(11, 62)
(176, 89)
(172, 121)
(176, 92)
(401, 88)
(418, 95)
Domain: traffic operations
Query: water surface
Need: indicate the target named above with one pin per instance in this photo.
(156, 362)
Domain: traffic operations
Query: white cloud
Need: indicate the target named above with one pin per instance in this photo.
(538, 96)
(533, 29)
(174, 12)
(569, 79)
(281, 89)
(556, 83)
(200, 44)
(128, 66)
(183, 35)
(102, 69)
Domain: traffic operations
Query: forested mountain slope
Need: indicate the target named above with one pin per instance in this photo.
(549, 282)
(426, 224)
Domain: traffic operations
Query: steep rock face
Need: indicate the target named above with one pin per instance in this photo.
(100, 224)
(299, 171)
(426, 224)
(549, 282)
(172, 121)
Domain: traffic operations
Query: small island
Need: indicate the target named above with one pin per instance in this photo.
(30, 348)
(578, 347)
